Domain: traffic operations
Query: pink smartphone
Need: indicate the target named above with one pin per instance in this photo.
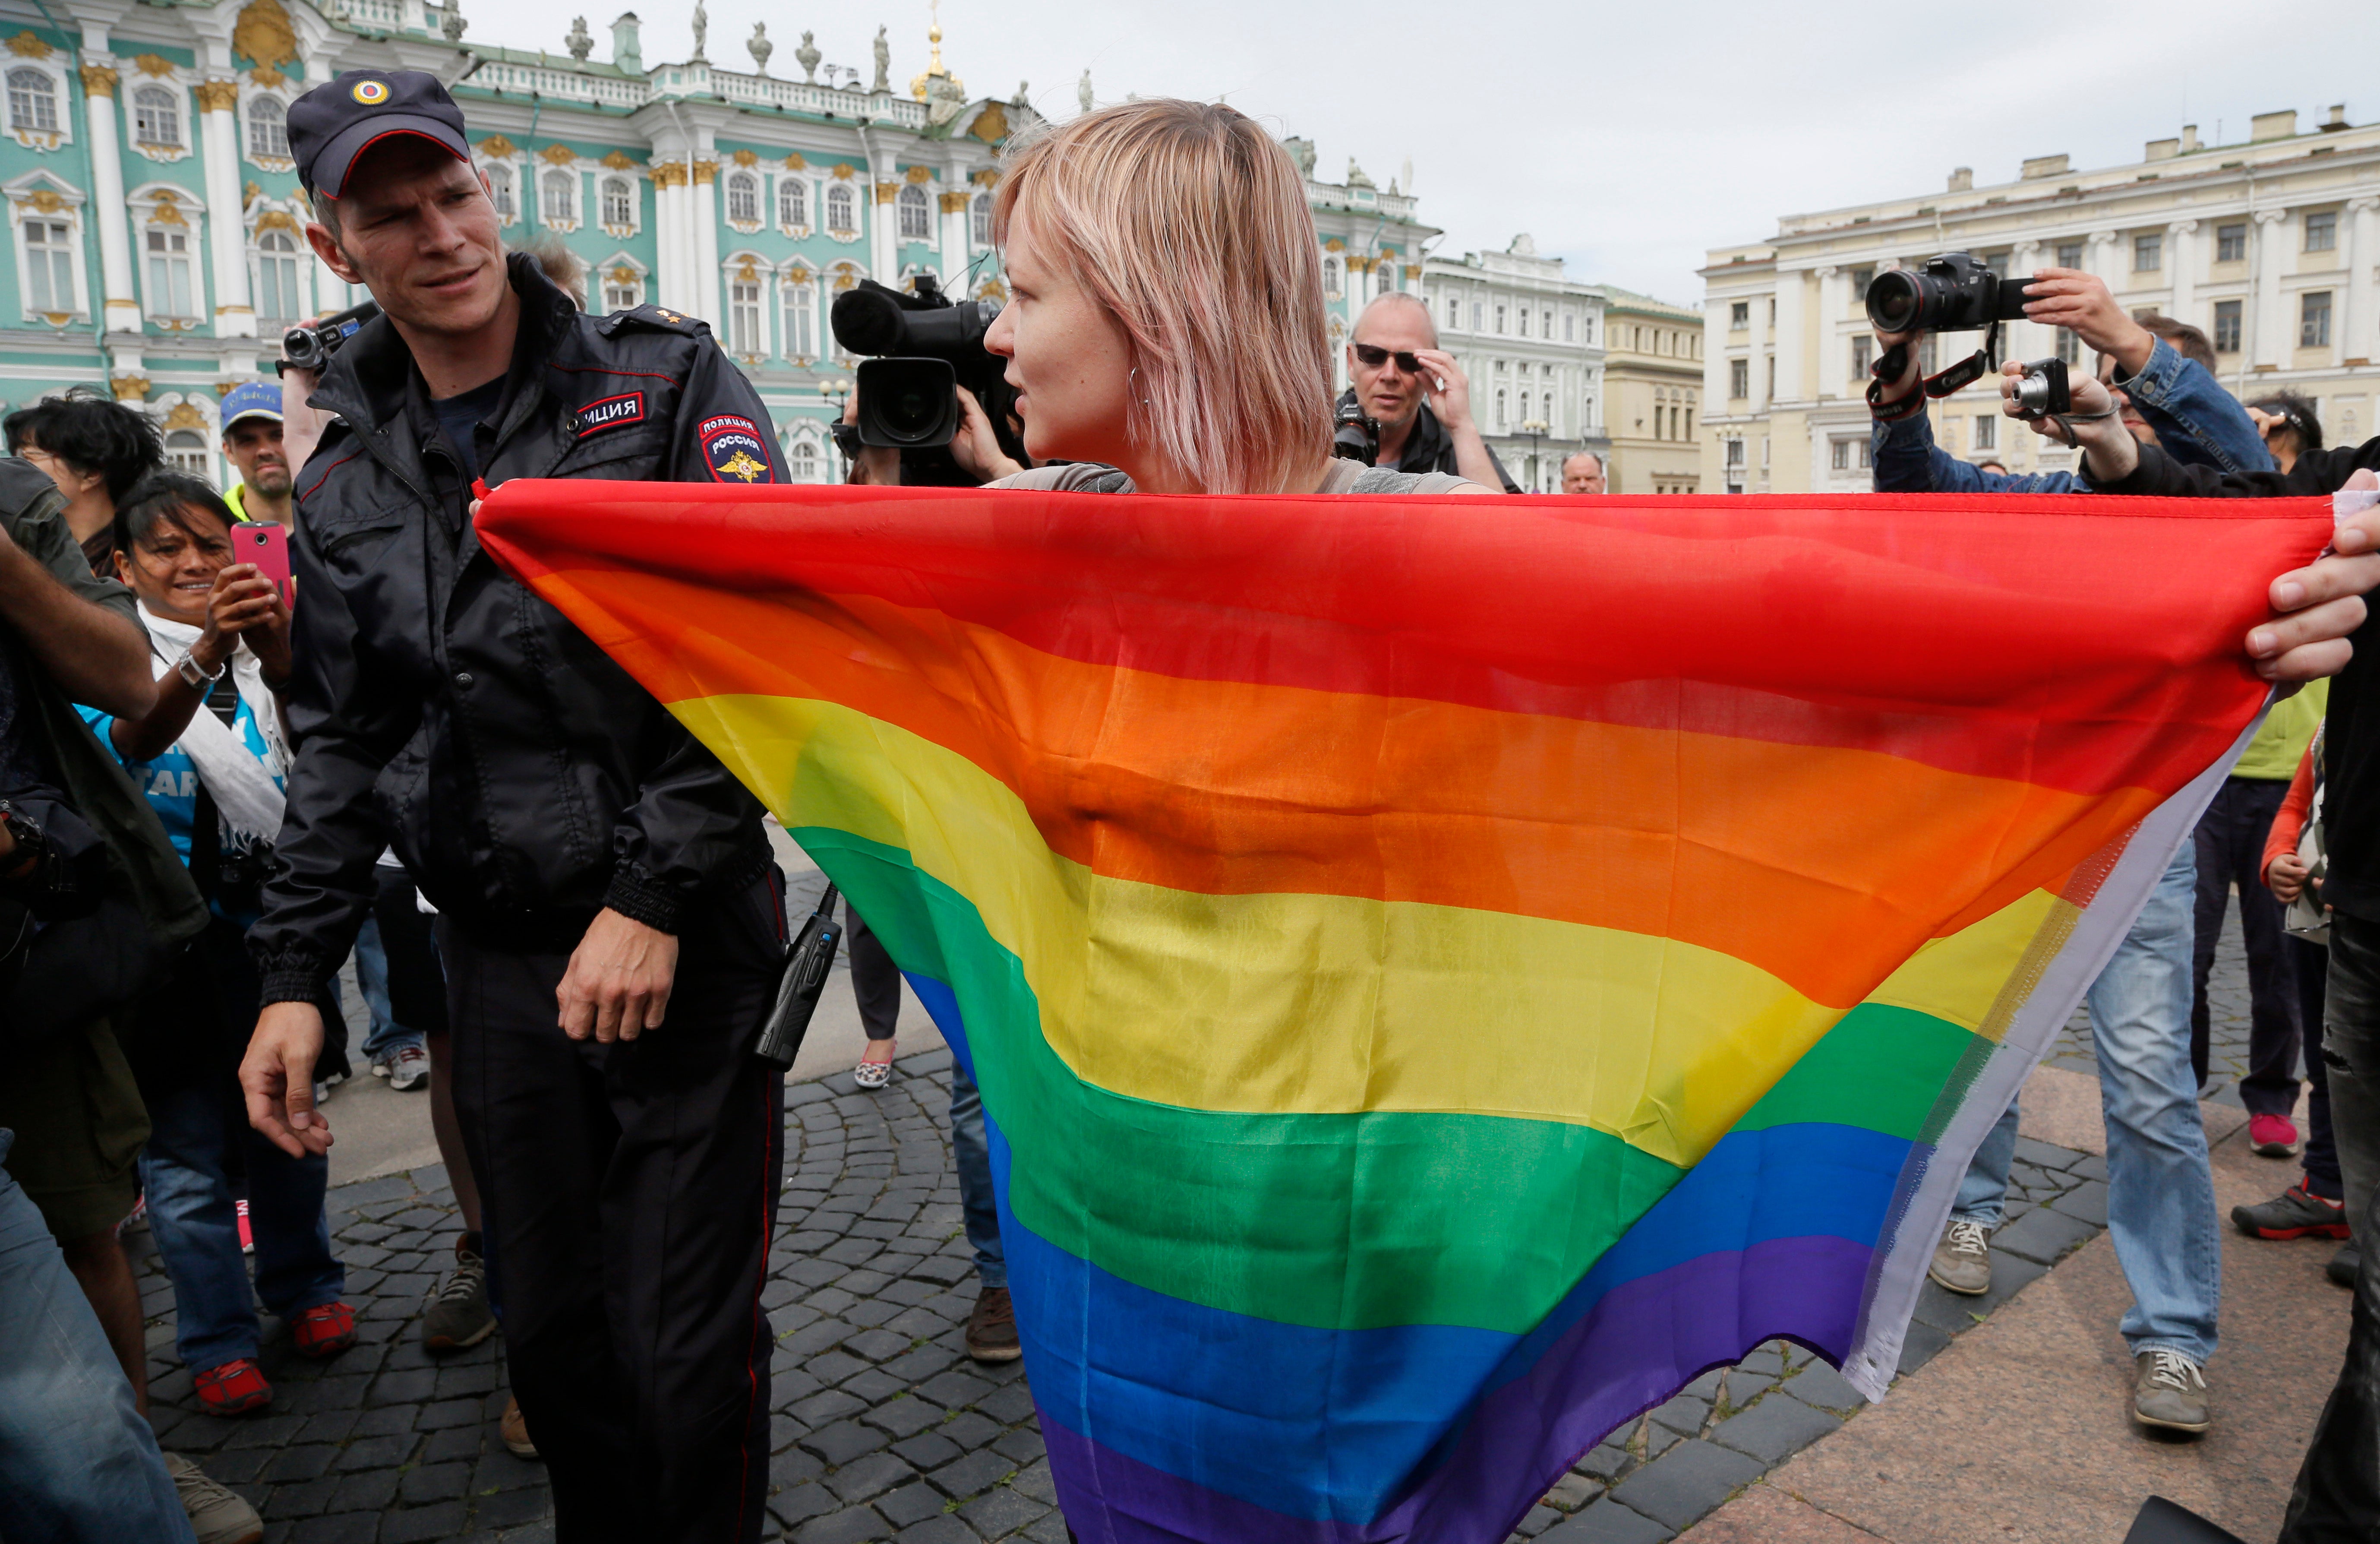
(266, 544)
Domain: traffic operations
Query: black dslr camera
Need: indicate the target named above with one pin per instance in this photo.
(310, 344)
(1356, 435)
(922, 347)
(1953, 293)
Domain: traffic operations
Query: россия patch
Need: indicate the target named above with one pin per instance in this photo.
(734, 449)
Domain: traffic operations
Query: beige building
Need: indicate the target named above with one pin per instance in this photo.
(2269, 246)
(1653, 385)
(1529, 338)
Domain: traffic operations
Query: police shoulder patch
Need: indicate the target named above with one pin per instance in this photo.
(735, 448)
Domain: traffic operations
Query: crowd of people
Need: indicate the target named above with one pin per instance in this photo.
(564, 916)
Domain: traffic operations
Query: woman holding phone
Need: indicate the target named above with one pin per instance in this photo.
(211, 758)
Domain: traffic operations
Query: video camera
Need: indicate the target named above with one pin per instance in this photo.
(310, 344)
(922, 347)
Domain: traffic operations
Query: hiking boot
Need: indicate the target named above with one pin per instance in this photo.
(2345, 1265)
(216, 1516)
(408, 1068)
(514, 1429)
(458, 1316)
(2272, 1136)
(234, 1389)
(2296, 1212)
(1963, 1262)
(324, 1329)
(2169, 1391)
(991, 1328)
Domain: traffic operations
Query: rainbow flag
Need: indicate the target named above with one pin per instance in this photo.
(1445, 972)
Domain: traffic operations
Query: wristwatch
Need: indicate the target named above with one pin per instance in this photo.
(201, 679)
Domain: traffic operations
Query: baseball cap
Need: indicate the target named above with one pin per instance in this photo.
(333, 125)
(252, 399)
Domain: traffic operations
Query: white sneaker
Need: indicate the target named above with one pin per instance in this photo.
(216, 1516)
(407, 1070)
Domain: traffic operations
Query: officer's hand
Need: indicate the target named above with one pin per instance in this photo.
(618, 983)
(276, 1077)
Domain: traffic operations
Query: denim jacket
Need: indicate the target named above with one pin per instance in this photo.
(2197, 423)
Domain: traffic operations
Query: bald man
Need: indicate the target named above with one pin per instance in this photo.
(1582, 472)
(1395, 363)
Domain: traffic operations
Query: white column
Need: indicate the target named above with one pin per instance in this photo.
(2355, 330)
(953, 205)
(1832, 370)
(226, 230)
(1790, 340)
(1755, 339)
(2099, 257)
(2023, 339)
(120, 303)
(2273, 341)
(668, 264)
(2181, 266)
(704, 302)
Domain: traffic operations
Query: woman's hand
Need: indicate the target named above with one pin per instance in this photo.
(975, 447)
(2322, 603)
(2285, 877)
(245, 604)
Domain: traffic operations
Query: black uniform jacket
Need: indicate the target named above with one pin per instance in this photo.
(525, 779)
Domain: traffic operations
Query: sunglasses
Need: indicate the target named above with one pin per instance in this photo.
(1375, 357)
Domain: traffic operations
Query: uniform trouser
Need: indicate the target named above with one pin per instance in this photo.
(630, 1194)
(2337, 1493)
(2322, 1174)
(2230, 838)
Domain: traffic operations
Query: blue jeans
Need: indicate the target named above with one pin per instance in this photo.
(2160, 1190)
(971, 1151)
(183, 1171)
(76, 1462)
(387, 1035)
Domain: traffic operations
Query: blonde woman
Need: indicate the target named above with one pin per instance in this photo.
(1165, 317)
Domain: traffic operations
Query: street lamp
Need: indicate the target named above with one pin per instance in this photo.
(837, 392)
(1536, 429)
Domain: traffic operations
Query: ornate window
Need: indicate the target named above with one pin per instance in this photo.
(33, 101)
(619, 202)
(916, 214)
(622, 289)
(793, 203)
(839, 217)
(1500, 415)
(1331, 280)
(558, 197)
(806, 461)
(980, 220)
(1453, 311)
(268, 127)
(156, 119)
(49, 266)
(799, 296)
(1499, 319)
(500, 189)
(743, 198)
(279, 297)
(172, 281)
(744, 334)
(185, 451)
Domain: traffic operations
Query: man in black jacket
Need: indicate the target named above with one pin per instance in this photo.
(610, 921)
(2337, 1493)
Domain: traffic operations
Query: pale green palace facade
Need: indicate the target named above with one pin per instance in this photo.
(155, 221)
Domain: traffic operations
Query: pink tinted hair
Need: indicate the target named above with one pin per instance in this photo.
(1189, 226)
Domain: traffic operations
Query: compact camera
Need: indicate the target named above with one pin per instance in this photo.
(310, 344)
(1952, 292)
(2041, 391)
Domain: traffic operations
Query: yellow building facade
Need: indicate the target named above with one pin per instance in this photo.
(1654, 386)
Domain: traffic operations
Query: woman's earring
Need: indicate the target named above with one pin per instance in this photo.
(1132, 385)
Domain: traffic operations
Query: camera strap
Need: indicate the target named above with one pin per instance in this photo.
(1888, 368)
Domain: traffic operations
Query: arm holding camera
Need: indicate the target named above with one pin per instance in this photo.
(1906, 460)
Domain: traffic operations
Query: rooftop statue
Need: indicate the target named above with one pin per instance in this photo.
(808, 57)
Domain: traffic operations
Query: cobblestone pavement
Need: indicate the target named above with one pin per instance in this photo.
(885, 1430)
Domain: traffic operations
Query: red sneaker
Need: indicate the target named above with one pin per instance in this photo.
(234, 1389)
(324, 1330)
(2272, 1136)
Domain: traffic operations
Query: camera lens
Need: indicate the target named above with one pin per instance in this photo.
(911, 412)
(1894, 300)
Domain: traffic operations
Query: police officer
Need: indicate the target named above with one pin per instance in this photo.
(609, 918)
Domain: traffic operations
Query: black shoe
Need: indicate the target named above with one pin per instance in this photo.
(991, 1328)
(2296, 1212)
(2345, 1265)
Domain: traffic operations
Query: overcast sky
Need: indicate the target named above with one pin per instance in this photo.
(1627, 137)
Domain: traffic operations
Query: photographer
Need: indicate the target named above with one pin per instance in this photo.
(610, 919)
(2160, 372)
(2290, 425)
(1418, 394)
(2337, 1493)
(2161, 1195)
